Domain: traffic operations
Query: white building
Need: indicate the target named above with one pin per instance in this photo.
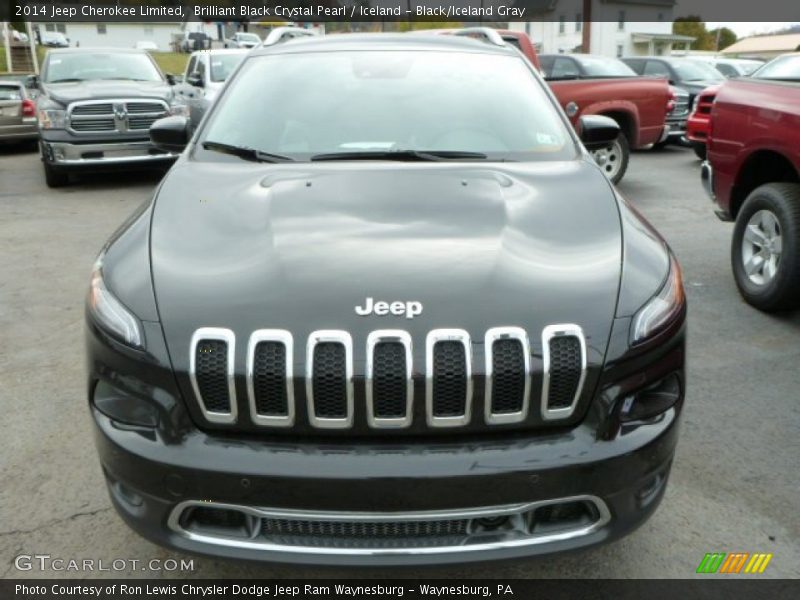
(607, 27)
(124, 35)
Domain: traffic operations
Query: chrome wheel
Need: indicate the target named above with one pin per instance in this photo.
(762, 246)
(609, 158)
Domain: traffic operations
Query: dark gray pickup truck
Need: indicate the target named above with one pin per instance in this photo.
(95, 109)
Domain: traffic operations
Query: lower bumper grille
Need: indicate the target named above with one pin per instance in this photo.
(391, 533)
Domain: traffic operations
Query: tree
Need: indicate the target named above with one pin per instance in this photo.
(694, 27)
(723, 38)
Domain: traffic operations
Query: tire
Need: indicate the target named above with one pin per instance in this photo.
(699, 150)
(613, 158)
(765, 251)
(54, 177)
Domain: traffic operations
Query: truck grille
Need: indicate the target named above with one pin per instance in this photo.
(115, 115)
(388, 383)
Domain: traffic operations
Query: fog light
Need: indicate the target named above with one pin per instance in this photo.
(651, 401)
(122, 407)
(492, 523)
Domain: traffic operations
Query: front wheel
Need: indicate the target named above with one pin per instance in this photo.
(613, 158)
(699, 150)
(54, 177)
(765, 252)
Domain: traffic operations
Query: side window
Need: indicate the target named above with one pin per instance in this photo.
(636, 65)
(565, 68)
(546, 62)
(190, 67)
(726, 70)
(654, 68)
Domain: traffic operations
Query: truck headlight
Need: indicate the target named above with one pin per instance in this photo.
(52, 118)
(179, 110)
(110, 314)
(662, 308)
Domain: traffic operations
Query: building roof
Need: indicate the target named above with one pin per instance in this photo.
(765, 43)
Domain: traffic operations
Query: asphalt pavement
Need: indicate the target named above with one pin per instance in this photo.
(734, 485)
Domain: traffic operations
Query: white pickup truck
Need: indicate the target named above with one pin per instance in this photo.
(204, 77)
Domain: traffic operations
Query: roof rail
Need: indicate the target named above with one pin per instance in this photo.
(487, 34)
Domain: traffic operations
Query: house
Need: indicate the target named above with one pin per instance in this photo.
(123, 35)
(607, 27)
(763, 46)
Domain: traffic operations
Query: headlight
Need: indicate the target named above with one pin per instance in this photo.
(110, 313)
(52, 118)
(178, 110)
(662, 308)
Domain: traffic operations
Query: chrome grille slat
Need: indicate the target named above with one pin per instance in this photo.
(508, 381)
(336, 349)
(214, 387)
(389, 387)
(562, 383)
(270, 372)
(443, 377)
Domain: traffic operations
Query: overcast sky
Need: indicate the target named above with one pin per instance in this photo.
(746, 29)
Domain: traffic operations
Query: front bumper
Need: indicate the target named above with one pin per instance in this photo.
(676, 129)
(102, 153)
(152, 480)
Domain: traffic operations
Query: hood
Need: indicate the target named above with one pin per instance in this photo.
(695, 87)
(101, 89)
(299, 247)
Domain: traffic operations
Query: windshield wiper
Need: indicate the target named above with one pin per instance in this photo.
(402, 155)
(245, 152)
(67, 80)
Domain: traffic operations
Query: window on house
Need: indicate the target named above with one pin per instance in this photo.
(562, 24)
(621, 22)
(578, 22)
(61, 27)
(148, 30)
(619, 50)
(49, 27)
(101, 28)
(660, 16)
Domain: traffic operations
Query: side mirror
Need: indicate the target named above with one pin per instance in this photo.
(195, 80)
(170, 133)
(596, 131)
(171, 79)
(33, 82)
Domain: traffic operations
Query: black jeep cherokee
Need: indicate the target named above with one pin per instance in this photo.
(384, 309)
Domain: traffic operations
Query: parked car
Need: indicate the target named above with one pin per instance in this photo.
(17, 113)
(730, 67)
(588, 84)
(95, 107)
(205, 74)
(685, 73)
(416, 312)
(566, 67)
(242, 39)
(54, 39)
(148, 45)
(698, 124)
(753, 175)
(194, 40)
(15, 36)
(284, 34)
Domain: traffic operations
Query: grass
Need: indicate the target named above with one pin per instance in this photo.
(169, 62)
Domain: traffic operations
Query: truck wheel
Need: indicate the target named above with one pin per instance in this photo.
(765, 252)
(53, 177)
(699, 150)
(613, 158)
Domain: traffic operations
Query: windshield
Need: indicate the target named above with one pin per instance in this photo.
(100, 65)
(222, 65)
(302, 105)
(605, 67)
(690, 70)
(783, 67)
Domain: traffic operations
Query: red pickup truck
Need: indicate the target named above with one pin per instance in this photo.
(753, 175)
(639, 105)
(700, 119)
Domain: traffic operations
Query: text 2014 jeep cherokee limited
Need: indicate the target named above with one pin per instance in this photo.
(95, 109)
(385, 308)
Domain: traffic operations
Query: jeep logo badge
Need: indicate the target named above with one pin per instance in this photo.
(397, 308)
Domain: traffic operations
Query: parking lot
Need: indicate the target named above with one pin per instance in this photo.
(734, 485)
